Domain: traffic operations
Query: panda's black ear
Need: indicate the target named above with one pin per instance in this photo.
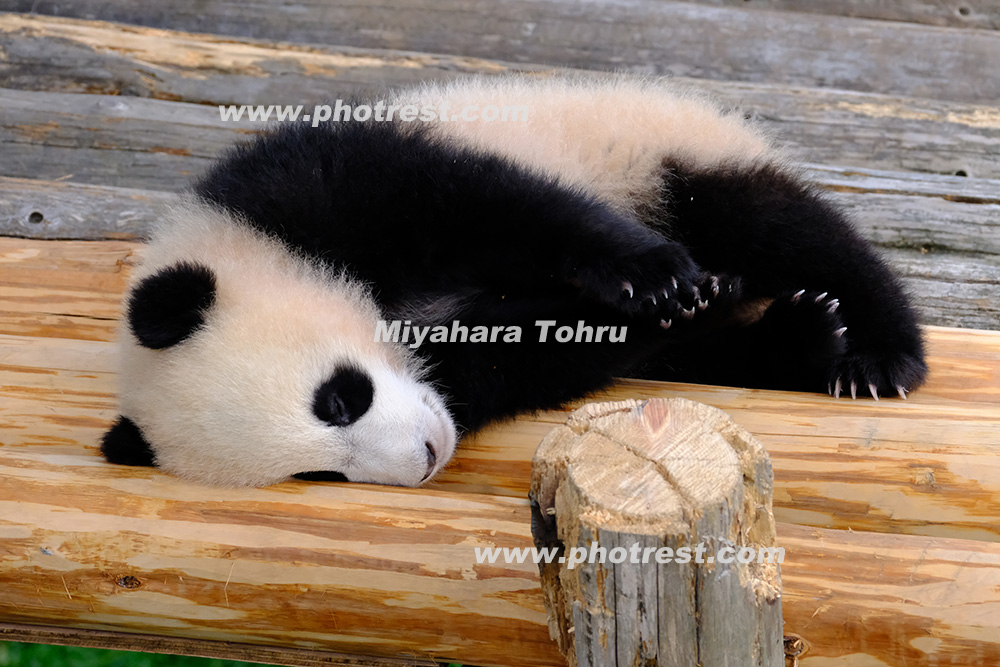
(168, 306)
(124, 444)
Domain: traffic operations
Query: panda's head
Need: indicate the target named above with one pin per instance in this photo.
(244, 365)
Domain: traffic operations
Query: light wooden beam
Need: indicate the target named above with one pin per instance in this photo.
(390, 572)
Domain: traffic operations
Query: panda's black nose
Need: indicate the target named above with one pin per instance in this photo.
(431, 460)
(344, 398)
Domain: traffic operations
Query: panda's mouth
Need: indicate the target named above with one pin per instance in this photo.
(322, 476)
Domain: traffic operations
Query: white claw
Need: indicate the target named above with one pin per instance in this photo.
(832, 307)
(687, 313)
(666, 295)
(836, 389)
(839, 332)
(902, 392)
(627, 287)
(715, 286)
(854, 390)
(665, 324)
(653, 297)
(798, 295)
(829, 388)
(873, 390)
(821, 297)
(702, 305)
(673, 281)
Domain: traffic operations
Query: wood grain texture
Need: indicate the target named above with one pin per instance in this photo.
(927, 466)
(131, 641)
(111, 140)
(336, 567)
(355, 569)
(380, 571)
(983, 14)
(940, 233)
(657, 477)
(644, 36)
(67, 210)
(67, 289)
(822, 126)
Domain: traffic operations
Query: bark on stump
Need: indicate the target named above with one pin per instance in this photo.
(664, 473)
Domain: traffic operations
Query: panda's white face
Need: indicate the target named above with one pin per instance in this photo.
(243, 366)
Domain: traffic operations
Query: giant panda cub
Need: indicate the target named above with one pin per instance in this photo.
(251, 350)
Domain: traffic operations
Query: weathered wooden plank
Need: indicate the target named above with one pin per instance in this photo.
(951, 289)
(947, 251)
(130, 641)
(895, 209)
(110, 140)
(80, 56)
(832, 127)
(381, 571)
(983, 14)
(928, 465)
(67, 210)
(645, 36)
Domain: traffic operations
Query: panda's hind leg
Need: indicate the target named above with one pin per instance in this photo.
(791, 346)
(780, 235)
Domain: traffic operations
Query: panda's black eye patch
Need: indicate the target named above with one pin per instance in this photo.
(344, 398)
(170, 305)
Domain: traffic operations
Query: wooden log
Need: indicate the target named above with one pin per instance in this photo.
(982, 14)
(131, 641)
(381, 571)
(946, 250)
(353, 569)
(648, 480)
(951, 289)
(820, 126)
(917, 211)
(110, 140)
(897, 210)
(66, 210)
(158, 145)
(70, 289)
(644, 36)
(926, 466)
(846, 622)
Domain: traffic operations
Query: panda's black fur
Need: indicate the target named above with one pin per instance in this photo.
(738, 273)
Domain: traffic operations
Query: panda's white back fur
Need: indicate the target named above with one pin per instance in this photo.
(607, 137)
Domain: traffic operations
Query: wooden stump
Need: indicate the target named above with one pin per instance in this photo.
(637, 478)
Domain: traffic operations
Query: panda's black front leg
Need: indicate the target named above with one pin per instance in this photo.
(538, 235)
(787, 241)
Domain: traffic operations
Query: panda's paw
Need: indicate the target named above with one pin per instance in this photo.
(871, 374)
(806, 334)
(658, 280)
(709, 298)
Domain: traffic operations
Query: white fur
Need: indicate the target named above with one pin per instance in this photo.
(232, 405)
(605, 136)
